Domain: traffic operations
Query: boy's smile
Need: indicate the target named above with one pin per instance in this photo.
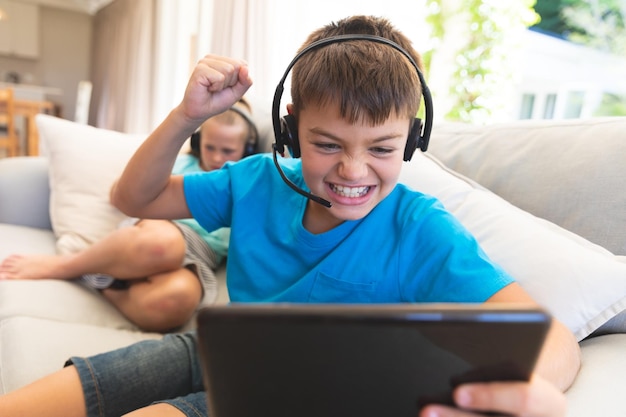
(352, 165)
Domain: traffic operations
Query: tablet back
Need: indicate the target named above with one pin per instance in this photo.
(355, 360)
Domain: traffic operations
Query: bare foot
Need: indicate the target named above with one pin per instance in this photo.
(33, 267)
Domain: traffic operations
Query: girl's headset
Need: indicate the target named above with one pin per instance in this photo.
(251, 140)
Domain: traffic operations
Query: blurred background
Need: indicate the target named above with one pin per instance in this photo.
(486, 60)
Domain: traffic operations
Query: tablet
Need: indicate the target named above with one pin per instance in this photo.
(351, 360)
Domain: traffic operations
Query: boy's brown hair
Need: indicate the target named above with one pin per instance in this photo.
(369, 81)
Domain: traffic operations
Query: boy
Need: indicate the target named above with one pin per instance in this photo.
(353, 103)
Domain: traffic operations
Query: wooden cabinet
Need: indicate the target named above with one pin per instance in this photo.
(19, 32)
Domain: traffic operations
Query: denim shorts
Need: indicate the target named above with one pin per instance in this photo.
(152, 371)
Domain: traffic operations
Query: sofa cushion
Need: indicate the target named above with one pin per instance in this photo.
(579, 282)
(84, 163)
(570, 172)
(25, 240)
(31, 348)
(60, 301)
(599, 387)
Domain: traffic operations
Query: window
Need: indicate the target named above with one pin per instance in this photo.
(528, 103)
(548, 109)
(574, 104)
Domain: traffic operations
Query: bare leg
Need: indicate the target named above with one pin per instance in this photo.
(34, 267)
(160, 303)
(163, 296)
(57, 395)
(160, 410)
(147, 248)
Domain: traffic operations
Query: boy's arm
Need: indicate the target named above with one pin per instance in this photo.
(542, 396)
(560, 358)
(146, 188)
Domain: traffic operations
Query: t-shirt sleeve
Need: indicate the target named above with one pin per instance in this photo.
(449, 261)
(208, 196)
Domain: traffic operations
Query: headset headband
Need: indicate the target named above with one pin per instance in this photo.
(248, 118)
(424, 136)
(251, 140)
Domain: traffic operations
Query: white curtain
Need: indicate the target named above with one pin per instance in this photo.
(240, 29)
(267, 33)
(176, 41)
(144, 50)
(122, 66)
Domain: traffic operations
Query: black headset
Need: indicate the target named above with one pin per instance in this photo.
(286, 128)
(251, 141)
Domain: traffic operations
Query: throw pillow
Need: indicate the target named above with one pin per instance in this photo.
(580, 283)
(84, 162)
(522, 161)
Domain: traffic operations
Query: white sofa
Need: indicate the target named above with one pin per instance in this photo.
(569, 172)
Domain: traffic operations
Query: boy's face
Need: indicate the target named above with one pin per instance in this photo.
(354, 166)
(220, 143)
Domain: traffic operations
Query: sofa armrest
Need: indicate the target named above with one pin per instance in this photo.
(25, 192)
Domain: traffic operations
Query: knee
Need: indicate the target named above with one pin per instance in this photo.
(173, 305)
(182, 296)
(162, 247)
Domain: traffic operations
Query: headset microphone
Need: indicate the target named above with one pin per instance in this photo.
(294, 187)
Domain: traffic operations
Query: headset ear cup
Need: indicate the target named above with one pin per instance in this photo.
(250, 149)
(194, 142)
(289, 135)
(413, 139)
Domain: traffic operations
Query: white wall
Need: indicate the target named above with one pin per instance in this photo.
(64, 56)
(292, 21)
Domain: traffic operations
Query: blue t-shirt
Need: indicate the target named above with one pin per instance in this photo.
(218, 239)
(407, 249)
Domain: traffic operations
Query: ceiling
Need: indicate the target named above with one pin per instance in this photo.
(84, 6)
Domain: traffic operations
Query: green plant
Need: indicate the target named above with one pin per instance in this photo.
(481, 62)
(611, 105)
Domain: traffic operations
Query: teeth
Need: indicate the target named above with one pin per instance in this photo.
(350, 191)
